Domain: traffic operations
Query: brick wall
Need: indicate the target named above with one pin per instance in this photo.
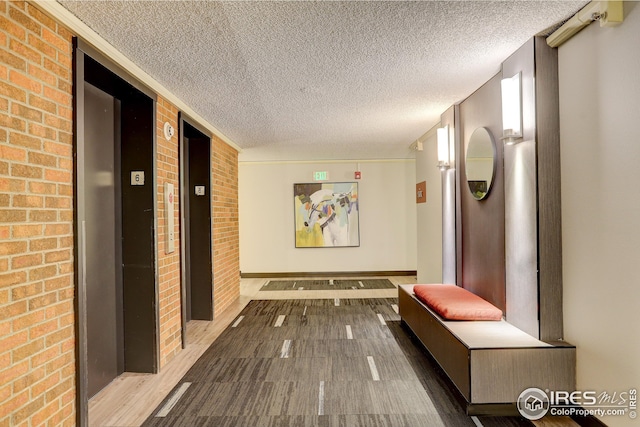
(169, 264)
(226, 265)
(37, 363)
(37, 343)
(226, 237)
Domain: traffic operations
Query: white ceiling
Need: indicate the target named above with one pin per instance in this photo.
(321, 80)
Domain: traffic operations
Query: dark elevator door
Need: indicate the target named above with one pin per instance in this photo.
(200, 276)
(102, 230)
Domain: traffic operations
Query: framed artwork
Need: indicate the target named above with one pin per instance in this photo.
(326, 214)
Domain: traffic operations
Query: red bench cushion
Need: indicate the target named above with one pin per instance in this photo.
(452, 302)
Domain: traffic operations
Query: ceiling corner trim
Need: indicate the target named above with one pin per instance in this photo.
(82, 30)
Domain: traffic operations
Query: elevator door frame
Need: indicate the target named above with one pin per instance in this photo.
(82, 50)
(184, 218)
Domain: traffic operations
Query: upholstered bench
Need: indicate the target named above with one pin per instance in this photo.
(490, 362)
(452, 302)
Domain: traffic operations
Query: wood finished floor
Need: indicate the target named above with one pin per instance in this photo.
(327, 285)
(251, 385)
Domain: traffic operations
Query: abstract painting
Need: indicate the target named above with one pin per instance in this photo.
(326, 214)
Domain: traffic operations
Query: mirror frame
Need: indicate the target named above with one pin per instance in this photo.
(493, 168)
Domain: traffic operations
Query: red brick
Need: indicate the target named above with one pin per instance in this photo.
(17, 401)
(56, 40)
(25, 261)
(40, 417)
(42, 272)
(42, 159)
(12, 278)
(43, 244)
(64, 112)
(25, 140)
(57, 175)
(58, 70)
(57, 229)
(39, 16)
(41, 329)
(12, 92)
(10, 342)
(47, 383)
(58, 123)
(57, 202)
(12, 28)
(59, 309)
(57, 148)
(12, 248)
(12, 60)
(43, 301)
(12, 153)
(45, 76)
(25, 81)
(42, 131)
(65, 215)
(24, 20)
(26, 230)
(30, 319)
(62, 98)
(65, 34)
(25, 201)
(59, 336)
(27, 350)
(43, 216)
(25, 411)
(24, 171)
(25, 51)
(42, 187)
(66, 164)
(42, 103)
(11, 121)
(12, 185)
(58, 256)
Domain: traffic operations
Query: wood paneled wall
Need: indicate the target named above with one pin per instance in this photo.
(480, 231)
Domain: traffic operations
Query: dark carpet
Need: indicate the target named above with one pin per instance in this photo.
(338, 362)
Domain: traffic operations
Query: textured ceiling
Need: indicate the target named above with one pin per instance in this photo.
(320, 80)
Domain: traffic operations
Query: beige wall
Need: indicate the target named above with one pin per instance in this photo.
(387, 217)
(600, 140)
(429, 214)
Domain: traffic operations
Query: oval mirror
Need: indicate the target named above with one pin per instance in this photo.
(480, 163)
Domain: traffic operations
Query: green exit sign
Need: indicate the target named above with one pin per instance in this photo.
(321, 176)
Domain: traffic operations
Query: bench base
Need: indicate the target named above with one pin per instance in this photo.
(489, 362)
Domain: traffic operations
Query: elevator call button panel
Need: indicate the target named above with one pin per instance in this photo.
(169, 203)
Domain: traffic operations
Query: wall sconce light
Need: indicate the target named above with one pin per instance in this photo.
(512, 109)
(443, 147)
